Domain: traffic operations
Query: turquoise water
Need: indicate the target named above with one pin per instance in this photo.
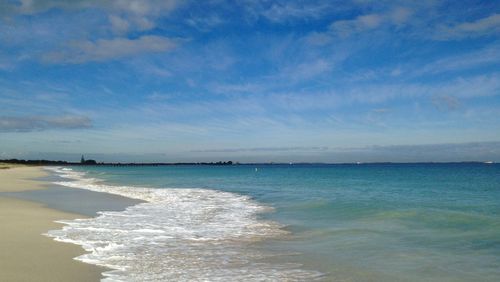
(383, 222)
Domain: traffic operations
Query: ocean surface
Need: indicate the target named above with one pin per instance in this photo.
(367, 222)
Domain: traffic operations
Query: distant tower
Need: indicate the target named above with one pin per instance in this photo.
(82, 160)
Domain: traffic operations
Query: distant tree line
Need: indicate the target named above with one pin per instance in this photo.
(93, 162)
(37, 162)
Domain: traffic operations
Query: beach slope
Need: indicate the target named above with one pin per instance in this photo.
(26, 254)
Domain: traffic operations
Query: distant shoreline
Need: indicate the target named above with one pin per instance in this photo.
(219, 163)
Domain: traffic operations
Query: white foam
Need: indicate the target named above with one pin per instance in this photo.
(176, 235)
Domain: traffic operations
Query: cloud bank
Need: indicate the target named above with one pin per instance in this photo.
(39, 123)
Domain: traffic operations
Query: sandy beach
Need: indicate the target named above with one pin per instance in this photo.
(26, 254)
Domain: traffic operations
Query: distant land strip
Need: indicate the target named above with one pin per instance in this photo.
(219, 163)
(94, 163)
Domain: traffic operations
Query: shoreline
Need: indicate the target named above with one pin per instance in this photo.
(27, 255)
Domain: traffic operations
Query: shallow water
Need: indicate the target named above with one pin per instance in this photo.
(432, 222)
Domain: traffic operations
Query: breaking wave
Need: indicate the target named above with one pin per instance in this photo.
(177, 234)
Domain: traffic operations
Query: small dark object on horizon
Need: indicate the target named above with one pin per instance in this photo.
(87, 162)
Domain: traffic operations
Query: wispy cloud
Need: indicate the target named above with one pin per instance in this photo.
(138, 14)
(251, 88)
(263, 149)
(205, 23)
(306, 70)
(109, 49)
(446, 102)
(38, 123)
(359, 24)
(373, 93)
(280, 12)
(461, 87)
(368, 22)
(471, 151)
(489, 25)
(489, 55)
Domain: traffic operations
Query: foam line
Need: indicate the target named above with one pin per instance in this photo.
(176, 235)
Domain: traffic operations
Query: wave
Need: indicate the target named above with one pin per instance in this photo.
(177, 234)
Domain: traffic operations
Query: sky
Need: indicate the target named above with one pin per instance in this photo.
(250, 80)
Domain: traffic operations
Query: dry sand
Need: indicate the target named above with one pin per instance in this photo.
(25, 254)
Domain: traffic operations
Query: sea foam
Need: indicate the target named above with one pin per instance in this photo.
(177, 234)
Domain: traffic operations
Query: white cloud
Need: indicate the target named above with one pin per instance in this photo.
(363, 23)
(485, 26)
(139, 15)
(135, 14)
(359, 24)
(118, 24)
(136, 7)
(109, 49)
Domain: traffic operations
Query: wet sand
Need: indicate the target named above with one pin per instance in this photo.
(26, 254)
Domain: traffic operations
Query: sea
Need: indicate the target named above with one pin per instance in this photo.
(291, 222)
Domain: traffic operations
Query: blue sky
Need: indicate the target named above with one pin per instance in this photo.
(330, 81)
